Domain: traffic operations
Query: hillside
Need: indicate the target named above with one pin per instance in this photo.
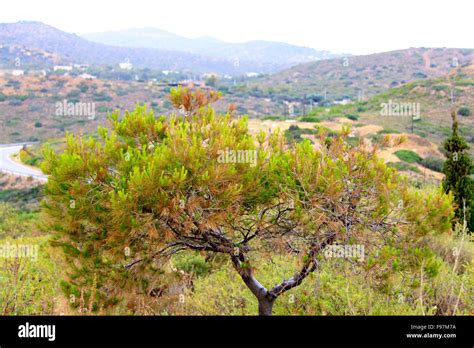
(360, 77)
(264, 56)
(20, 57)
(26, 100)
(436, 98)
(28, 104)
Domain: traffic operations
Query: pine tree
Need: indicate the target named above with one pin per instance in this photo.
(147, 188)
(457, 169)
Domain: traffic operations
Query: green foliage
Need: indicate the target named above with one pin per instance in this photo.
(83, 88)
(403, 166)
(388, 131)
(31, 158)
(464, 111)
(189, 263)
(353, 117)
(211, 81)
(433, 163)
(408, 156)
(74, 94)
(103, 108)
(310, 119)
(28, 284)
(332, 292)
(293, 133)
(273, 118)
(101, 97)
(26, 199)
(9, 224)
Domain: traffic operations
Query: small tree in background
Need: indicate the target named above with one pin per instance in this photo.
(189, 102)
(456, 170)
(464, 111)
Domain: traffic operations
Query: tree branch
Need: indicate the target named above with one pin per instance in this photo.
(309, 266)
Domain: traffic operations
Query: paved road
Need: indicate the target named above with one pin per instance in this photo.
(7, 165)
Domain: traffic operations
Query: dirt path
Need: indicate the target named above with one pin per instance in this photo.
(427, 59)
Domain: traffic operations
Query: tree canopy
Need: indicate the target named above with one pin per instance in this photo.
(149, 187)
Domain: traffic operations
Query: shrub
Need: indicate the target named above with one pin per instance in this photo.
(103, 108)
(273, 118)
(192, 263)
(464, 111)
(353, 141)
(310, 119)
(408, 156)
(28, 286)
(433, 163)
(388, 131)
(83, 88)
(353, 117)
(403, 166)
(74, 94)
(101, 96)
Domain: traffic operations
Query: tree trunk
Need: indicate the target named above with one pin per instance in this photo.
(265, 306)
(265, 301)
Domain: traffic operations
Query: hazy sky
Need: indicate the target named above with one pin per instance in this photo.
(352, 26)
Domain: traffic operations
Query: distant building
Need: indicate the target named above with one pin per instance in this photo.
(252, 74)
(62, 68)
(126, 66)
(289, 108)
(81, 66)
(18, 72)
(209, 75)
(87, 76)
(344, 101)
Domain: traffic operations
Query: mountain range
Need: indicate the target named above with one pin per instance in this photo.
(155, 49)
(267, 56)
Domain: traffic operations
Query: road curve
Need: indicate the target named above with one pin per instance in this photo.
(7, 165)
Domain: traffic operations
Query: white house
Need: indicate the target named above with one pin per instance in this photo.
(252, 74)
(126, 66)
(344, 101)
(87, 76)
(62, 67)
(80, 66)
(18, 72)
